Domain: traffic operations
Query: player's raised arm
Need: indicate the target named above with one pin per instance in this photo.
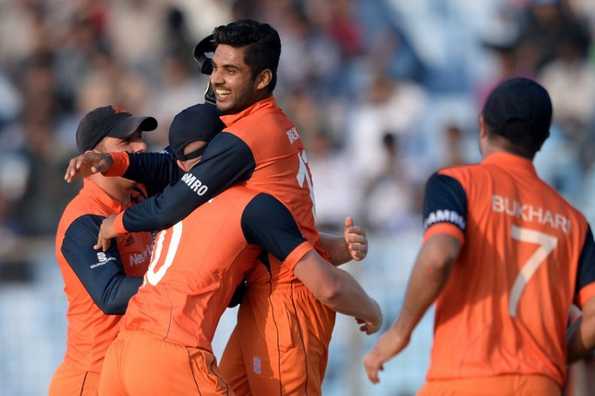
(352, 245)
(269, 224)
(100, 273)
(227, 160)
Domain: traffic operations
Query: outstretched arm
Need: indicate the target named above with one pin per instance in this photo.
(269, 224)
(227, 160)
(154, 170)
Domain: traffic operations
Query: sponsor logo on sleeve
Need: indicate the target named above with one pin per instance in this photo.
(445, 216)
(195, 184)
(102, 259)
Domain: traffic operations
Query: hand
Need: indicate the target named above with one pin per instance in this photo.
(356, 240)
(371, 327)
(86, 164)
(106, 233)
(388, 346)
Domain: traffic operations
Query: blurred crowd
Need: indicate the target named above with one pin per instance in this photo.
(384, 92)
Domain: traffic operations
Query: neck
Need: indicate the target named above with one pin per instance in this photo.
(496, 145)
(261, 96)
(116, 187)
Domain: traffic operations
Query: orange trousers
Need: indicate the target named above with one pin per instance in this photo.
(280, 343)
(503, 385)
(139, 363)
(70, 380)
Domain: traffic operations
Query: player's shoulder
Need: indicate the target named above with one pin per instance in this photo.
(235, 198)
(267, 128)
(464, 174)
(561, 202)
(82, 205)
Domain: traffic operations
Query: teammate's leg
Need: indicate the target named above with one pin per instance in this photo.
(151, 366)
(110, 381)
(233, 367)
(68, 380)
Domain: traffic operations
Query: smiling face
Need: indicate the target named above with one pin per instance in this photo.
(236, 88)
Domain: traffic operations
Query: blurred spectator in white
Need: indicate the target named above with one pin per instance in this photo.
(390, 105)
(136, 29)
(570, 80)
(19, 21)
(335, 194)
(204, 15)
(454, 146)
(111, 82)
(10, 101)
(387, 204)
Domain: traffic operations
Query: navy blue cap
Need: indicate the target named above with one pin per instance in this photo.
(200, 122)
(107, 121)
(520, 110)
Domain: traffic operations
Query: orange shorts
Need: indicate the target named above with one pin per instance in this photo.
(502, 385)
(280, 343)
(139, 363)
(69, 380)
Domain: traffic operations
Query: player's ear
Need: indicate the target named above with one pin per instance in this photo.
(263, 79)
(483, 128)
(181, 165)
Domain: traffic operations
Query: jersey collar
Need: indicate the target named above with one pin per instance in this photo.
(511, 161)
(266, 103)
(92, 191)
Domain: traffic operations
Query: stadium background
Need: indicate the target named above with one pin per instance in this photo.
(383, 91)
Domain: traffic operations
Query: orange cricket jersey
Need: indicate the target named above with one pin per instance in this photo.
(505, 307)
(90, 330)
(198, 263)
(281, 169)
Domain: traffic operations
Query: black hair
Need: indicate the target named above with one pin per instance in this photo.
(519, 110)
(262, 41)
(519, 142)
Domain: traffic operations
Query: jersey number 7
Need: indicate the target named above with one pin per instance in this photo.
(547, 244)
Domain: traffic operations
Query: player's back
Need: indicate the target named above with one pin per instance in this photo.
(195, 268)
(505, 307)
(281, 169)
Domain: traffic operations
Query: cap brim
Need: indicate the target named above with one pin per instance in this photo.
(129, 125)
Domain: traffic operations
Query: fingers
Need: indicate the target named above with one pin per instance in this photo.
(352, 237)
(86, 164)
(74, 165)
(358, 251)
(348, 222)
(372, 366)
(102, 244)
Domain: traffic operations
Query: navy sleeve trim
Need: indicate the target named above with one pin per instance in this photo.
(445, 202)
(155, 170)
(101, 274)
(586, 264)
(268, 223)
(227, 160)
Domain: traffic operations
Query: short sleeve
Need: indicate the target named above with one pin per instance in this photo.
(585, 279)
(268, 223)
(445, 207)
